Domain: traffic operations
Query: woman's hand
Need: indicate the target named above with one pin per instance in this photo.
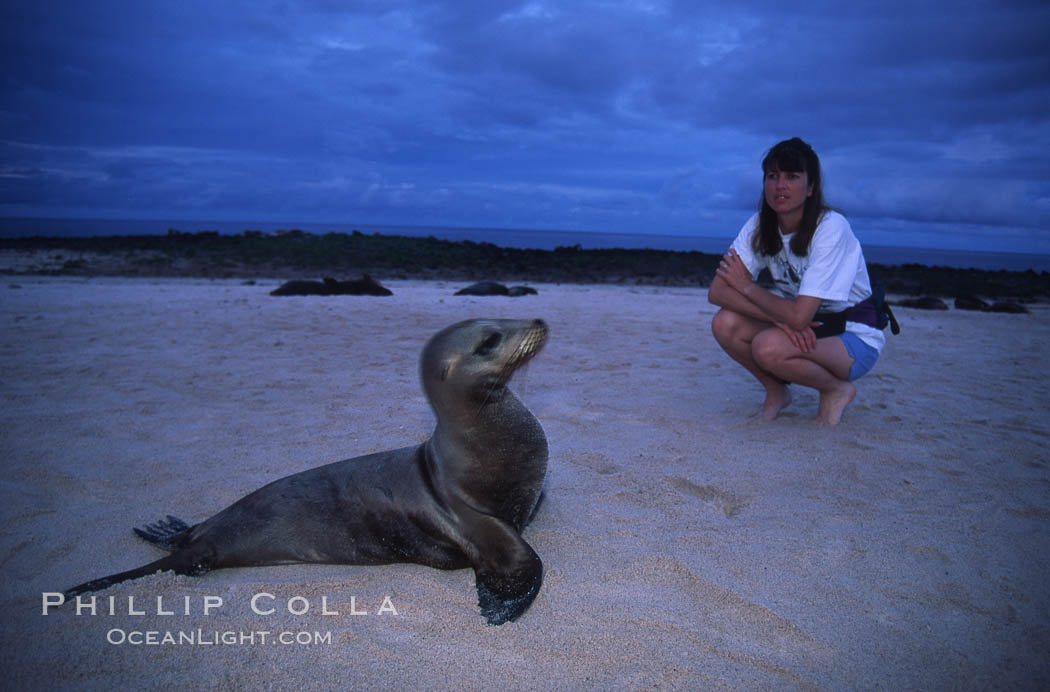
(734, 272)
(804, 340)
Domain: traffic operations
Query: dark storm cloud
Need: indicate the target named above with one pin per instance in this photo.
(633, 116)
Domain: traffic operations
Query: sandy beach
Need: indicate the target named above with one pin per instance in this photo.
(684, 546)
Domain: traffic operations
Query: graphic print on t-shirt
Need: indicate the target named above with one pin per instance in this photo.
(786, 277)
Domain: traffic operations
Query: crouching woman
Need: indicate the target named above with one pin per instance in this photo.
(817, 327)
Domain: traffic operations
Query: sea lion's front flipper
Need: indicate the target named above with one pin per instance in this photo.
(508, 572)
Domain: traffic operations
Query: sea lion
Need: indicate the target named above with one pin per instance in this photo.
(459, 499)
(1008, 307)
(483, 288)
(967, 301)
(923, 303)
(493, 288)
(365, 286)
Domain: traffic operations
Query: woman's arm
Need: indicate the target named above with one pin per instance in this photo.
(797, 314)
(725, 296)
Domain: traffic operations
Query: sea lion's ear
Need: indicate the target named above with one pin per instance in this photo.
(444, 373)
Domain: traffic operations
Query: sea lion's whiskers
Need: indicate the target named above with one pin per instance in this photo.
(523, 380)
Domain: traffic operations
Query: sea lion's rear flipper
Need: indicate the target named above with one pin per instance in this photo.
(508, 572)
(165, 563)
(164, 533)
(193, 561)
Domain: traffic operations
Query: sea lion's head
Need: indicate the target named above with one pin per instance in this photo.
(473, 360)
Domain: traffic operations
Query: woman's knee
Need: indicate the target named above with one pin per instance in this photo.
(770, 347)
(725, 324)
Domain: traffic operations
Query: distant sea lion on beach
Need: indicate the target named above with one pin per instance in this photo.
(492, 288)
(459, 499)
(365, 286)
(923, 303)
(970, 302)
(1008, 307)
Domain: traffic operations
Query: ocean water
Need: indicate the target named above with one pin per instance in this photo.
(516, 238)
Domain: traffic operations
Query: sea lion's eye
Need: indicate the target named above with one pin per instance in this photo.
(488, 344)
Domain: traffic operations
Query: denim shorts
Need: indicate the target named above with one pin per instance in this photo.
(864, 356)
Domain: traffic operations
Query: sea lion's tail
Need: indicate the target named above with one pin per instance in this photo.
(166, 563)
(194, 559)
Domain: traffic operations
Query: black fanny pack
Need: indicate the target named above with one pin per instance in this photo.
(834, 323)
(872, 311)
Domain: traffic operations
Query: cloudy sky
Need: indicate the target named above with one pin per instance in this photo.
(932, 119)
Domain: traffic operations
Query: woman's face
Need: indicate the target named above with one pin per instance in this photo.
(786, 191)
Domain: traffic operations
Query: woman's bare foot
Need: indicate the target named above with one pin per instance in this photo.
(834, 402)
(777, 399)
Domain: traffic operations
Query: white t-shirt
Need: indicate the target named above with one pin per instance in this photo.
(834, 270)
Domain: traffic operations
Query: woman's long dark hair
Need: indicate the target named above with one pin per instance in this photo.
(792, 156)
